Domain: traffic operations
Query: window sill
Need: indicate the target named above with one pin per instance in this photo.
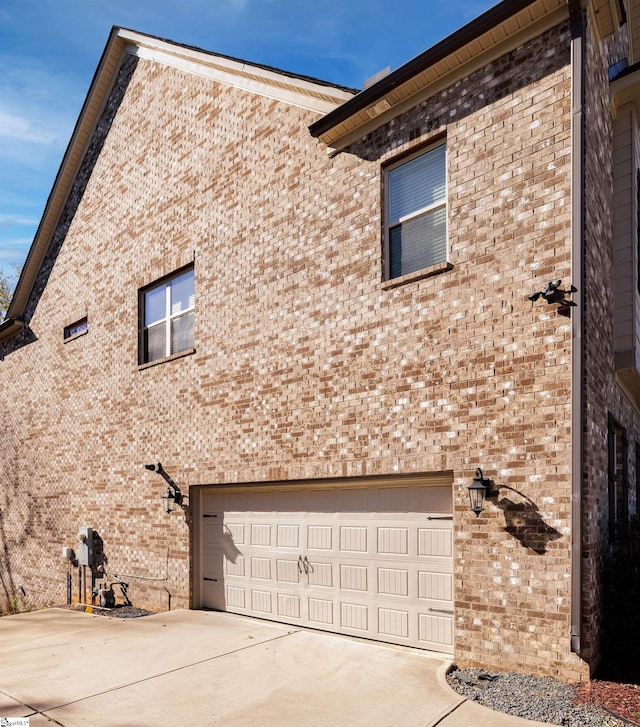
(75, 335)
(418, 275)
(166, 359)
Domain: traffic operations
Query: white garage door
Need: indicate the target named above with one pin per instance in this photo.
(373, 561)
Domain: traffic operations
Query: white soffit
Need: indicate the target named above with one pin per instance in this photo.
(262, 81)
(633, 24)
(607, 16)
(625, 90)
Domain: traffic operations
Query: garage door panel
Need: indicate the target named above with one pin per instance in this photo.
(321, 574)
(213, 563)
(435, 542)
(321, 501)
(260, 534)
(435, 586)
(393, 622)
(393, 581)
(319, 537)
(288, 571)
(214, 594)
(288, 606)
(352, 500)
(363, 561)
(434, 499)
(289, 501)
(261, 601)
(354, 578)
(321, 612)
(435, 630)
(235, 567)
(353, 538)
(354, 616)
(235, 531)
(393, 541)
(288, 536)
(393, 499)
(261, 568)
(262, 501)
(236, 597)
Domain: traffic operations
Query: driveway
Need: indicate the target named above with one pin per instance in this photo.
(199, 668)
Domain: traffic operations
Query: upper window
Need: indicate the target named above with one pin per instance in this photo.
(167, 315)
(416, 213)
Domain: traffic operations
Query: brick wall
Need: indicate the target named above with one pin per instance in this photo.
(307, 365)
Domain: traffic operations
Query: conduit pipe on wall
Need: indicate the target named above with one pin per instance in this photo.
(577, 313)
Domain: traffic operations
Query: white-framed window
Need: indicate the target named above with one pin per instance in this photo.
(416, 213)
(167, 313)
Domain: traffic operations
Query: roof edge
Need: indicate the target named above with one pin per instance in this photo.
(468, 33)
(9, 328)
(119, 42)
(55, 202)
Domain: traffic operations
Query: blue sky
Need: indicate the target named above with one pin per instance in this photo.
(49, 50)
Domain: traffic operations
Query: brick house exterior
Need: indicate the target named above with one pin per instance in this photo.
(314, 368)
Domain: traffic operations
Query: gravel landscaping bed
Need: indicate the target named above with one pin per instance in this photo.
(536, 698)
(118, 611)
(123, 612)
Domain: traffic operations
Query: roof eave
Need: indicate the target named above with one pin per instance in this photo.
(371, 108)
(67, 171)
(321, 97)
(9, 328)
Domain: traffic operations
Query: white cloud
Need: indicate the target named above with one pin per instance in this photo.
(14, 250)
(19, 127)
(16, 219)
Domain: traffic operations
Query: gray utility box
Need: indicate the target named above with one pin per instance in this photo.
(85, 546)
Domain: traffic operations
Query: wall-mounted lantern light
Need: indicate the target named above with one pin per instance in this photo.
(552, 293)
(478, 491)
(171, 498)
(173, 495)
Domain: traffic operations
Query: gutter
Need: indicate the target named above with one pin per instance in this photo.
(469, 32)
(577, 314)
(10, 327)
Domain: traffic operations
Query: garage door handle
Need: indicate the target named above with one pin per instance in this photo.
(211, 579)
(439, 610)
(304, 563)
(443, 517)
(307, 566)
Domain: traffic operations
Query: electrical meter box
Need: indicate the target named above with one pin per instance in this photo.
(85, 546)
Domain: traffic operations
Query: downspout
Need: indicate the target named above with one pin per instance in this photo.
(577, 313)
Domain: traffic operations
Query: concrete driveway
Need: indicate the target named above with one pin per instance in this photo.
(201, 668)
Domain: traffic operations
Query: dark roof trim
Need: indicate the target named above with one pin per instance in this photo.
(27, 272)
(452, 43)
(10, 327)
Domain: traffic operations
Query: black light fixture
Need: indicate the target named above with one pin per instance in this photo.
(169, 500)
(173, 495)
(479, 488)
(552, 293)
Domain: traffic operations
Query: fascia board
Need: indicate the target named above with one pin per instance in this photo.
(313, 96)
(318, 97)
(446, 71)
